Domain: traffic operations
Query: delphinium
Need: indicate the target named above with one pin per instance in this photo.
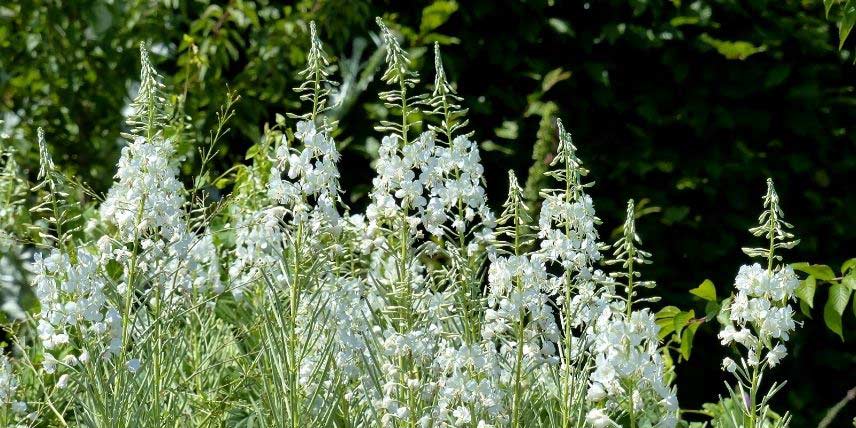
(628, 384)
(519, 319)
(759, 320)
(569, 246)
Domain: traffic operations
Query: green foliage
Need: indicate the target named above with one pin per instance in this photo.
(845, 16)
(840, 288)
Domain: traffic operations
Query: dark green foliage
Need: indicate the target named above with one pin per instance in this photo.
(690, 104)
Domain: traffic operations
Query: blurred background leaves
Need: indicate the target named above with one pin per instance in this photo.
(689, 104)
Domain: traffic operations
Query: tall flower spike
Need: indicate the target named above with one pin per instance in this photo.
(760, 318)
(444, 102)
(773, 227)
(148, 107)
(312, 187)
(515, 221)
(316, 84)
(56, 203)
(567, 221)
(574, 171)
(46, 165)
(630, 256)
(398, 73)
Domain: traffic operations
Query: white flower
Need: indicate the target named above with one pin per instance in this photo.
(133, 365)
(729, 365)
(462, 416)
(62, 382)
(761, 307)
(595, 392)
(776, 354)
(49, 363)
(8, 380)
(19, 407)
(598, 419)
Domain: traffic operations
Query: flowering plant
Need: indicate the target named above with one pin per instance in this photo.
(277, 304)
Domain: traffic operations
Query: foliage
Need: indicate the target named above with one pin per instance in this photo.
(840, 288)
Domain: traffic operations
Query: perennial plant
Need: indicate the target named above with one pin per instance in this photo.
(277, 304)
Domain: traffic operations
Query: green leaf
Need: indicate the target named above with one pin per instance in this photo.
(711, 310)
(821, 272)
(805, 309)
(805, 291)
(827, 6)
(436, 14)
(561, 26)
(833, 320)
(667, 312)
(687, 340)
(847, 22)
(724, 316)
(736, 49)
(706, 291)
(848, 265)
(665, 319)
(839, 295)
(854, 307)
(508, 130)
(684, 20)
(849, 281)
(553, 77)
(682, 319)
(252, 152)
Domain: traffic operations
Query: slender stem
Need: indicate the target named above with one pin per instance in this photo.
(518, 362)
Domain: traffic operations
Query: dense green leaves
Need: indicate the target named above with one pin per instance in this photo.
(839, 291)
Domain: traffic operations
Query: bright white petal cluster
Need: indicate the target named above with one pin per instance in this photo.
(517, 288)
(73, 302)
(760, 312)
(468, 386)
(628, 365)
(147, 198)
(311, 186)
(146, 206)
(258, 247)
(568, 232)
(455, 192)
(8, 380)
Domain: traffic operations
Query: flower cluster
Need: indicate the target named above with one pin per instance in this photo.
(629, 372)
(629, 376)
(74, 304)
(455, 189)
(312, 187)
(567, 221)
(517, 291)
(761, 317)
